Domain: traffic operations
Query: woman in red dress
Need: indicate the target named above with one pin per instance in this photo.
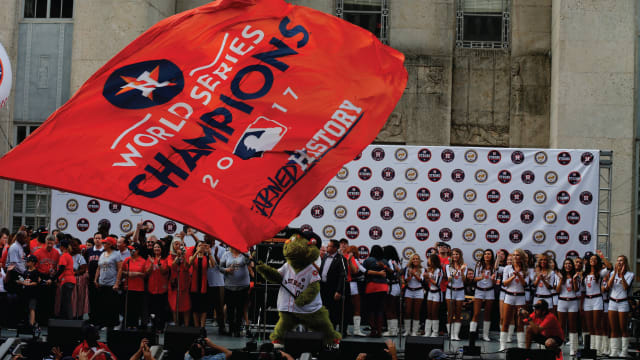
(179, 283)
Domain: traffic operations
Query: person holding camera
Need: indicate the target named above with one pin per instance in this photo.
(544, 327)
(203, 348)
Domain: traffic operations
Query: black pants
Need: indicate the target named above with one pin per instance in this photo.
(235, 300)
(108, 306)
(135, 302)
(93, 300)
(216, 298)
(334, 307)
(375, 311)
(66, 306)
(46, 300)
(159, 306)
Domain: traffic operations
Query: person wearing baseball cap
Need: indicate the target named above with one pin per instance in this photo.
(544, 327)
(437, 354)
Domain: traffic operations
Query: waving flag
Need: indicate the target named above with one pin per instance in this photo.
(230, 117)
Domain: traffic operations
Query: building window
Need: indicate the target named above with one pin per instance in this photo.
(30, 205)
(48, 9)
(372, 15)
(482, 24)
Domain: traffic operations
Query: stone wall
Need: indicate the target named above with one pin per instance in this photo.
(592, 102)
(8, 38)
(98, 38)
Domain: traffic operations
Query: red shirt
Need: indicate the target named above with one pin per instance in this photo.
(444, 261)
(35, 245)
(5, 254)
(135, 283)
(549, 324)
(68, 275)
(47, 260)
(158, 281)
(85, 347)
(355, 263)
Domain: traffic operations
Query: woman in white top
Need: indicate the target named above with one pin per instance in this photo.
(455, 272)
(619, 284)
(544, 280)
(504, 259)
(568, 289)
(484, 277)
(513, 279)
(413, 294)
(432, 277)
(593, 303)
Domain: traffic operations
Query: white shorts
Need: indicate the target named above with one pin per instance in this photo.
(549, 301)
(434, 296)
(568, 306)
(619, 306)
(353, 286)
(457, 295)
(517, 300)
(502, 295)
(414, 294)
(485, 294)
(394, 290)
(593, 304)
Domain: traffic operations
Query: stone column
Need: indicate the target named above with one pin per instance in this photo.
(592, 95)
(9, 39)
(103, 28)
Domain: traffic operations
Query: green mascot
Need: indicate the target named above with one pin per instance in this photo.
(299, 296)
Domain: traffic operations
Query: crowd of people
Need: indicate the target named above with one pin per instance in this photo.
(138, 280)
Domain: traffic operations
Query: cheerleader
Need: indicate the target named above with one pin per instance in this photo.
(619, 284)
(503, 260)
(455, 272)
(354, 276)
(513, 279)
(554, 268)
(484, 277)
(544, 281)
(392, 300)
(593, 304)
(432, 277)
(606, 329)
(568, 288)
(529, 290)
(413, 294)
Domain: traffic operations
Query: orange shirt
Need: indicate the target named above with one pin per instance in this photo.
(158, 282)
(47, 260)
(67, 275)
(135, 283)
(35, 245)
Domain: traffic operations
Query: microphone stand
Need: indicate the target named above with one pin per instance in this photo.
(344, 272)
(179, 261)
(400, 312)
(264, 307)
(126, 294)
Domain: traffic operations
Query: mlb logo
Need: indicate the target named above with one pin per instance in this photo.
(262, 135)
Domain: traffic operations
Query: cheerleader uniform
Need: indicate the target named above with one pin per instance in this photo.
(529, 291)
(434, 293)
(455, 287)
(484, 287)
(394, 284)
(414, 288)
(619, 301)
(568, 299)
(593, 299)
(543, 292)
(515, 290)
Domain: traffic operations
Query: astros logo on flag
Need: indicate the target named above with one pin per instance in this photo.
(143, 85)
(263, 135)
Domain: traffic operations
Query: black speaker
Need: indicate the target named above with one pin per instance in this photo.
(374, 348)
(64, 333)
(296, 343)
(125, 343)
(275, 259)
(177, 340)
(529, 354)
(418, 347)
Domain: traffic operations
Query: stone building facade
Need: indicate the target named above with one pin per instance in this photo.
(559, 74)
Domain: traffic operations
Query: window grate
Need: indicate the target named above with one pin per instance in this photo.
(372, 15)
(486, 27)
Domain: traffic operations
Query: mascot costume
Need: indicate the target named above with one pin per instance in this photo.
(299, 296)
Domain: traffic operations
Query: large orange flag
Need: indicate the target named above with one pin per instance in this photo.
(230, 117)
